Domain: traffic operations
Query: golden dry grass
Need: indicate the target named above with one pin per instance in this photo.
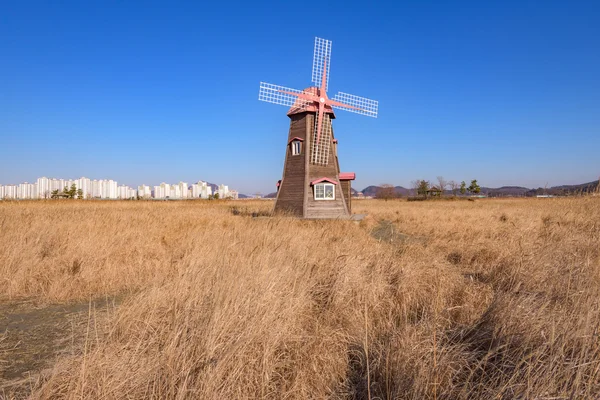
(449, 299)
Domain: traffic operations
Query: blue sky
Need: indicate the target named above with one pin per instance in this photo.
(506, 92)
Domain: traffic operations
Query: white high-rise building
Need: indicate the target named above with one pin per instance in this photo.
(195, 191)
(43, 188)
(205, 191)
(175, 192)
(96, 189)
(85, 184)
(26, 191)
(163, 191)
(144, 192)
(111, 189)
(223, 191)
(124, 192)
(156, 192)
(200, 190)
(183, 190)
(10, 192)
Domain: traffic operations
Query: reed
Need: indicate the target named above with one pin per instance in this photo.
(473, 300)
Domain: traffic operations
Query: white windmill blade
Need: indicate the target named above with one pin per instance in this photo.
(322, 57)
(276, 94)
(359, 105)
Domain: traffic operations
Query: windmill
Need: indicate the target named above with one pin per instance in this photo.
(312, 185)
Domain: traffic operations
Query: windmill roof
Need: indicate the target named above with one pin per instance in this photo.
(301, 106)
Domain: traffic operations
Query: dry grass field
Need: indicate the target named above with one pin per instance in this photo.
(421, 300)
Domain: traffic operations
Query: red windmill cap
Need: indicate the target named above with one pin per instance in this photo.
(301, 106)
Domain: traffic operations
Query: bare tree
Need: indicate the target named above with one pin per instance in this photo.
(443, 183)
(454, 186)
(414, 186)
(385, 191)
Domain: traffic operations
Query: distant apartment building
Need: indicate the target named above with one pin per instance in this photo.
(200, 190)
(223, 191)
(162, 191)
(26, 191)
(175, 192)
(144, 192)
(8, 192)
(124, 192)
(44, 187)
(183, 190)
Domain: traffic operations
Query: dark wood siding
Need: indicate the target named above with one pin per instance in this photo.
(291, 191)
(347, 194)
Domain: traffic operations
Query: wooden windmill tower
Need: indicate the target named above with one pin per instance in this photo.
(312, 185)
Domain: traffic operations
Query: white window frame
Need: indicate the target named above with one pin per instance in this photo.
(296, 147)
(323, 185)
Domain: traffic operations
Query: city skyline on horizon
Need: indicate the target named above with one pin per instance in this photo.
(86, 188)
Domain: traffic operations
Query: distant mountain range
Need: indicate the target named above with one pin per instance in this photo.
(504, 191)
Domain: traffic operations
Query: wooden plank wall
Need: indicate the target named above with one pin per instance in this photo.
(290, 196)
(346, 185)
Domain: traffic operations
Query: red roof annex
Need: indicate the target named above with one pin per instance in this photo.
(347, 176)
(323, 180)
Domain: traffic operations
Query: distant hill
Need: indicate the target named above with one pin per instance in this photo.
(505, 191)
(565, 189)
(371, 191)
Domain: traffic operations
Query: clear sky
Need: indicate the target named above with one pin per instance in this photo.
(507, 92)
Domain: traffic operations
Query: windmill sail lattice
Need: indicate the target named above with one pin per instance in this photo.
(360, 105)
(320, 149)
(322, 56)
(281, 95)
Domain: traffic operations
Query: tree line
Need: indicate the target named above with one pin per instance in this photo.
(425, 189)
(67, 193)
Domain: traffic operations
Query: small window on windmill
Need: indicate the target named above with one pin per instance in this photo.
(296, 147)
(324, 191)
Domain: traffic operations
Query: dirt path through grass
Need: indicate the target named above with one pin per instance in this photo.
(33, 336)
